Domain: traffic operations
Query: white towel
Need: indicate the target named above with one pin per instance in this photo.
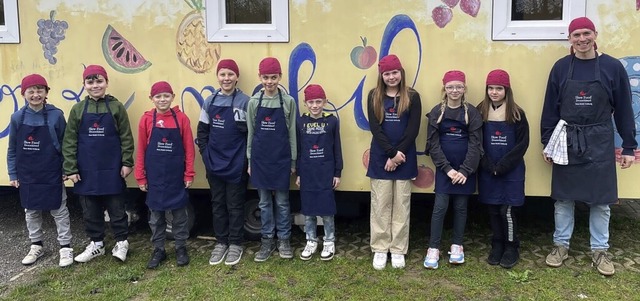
(556, 149)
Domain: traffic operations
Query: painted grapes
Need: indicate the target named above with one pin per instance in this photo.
(51, 32)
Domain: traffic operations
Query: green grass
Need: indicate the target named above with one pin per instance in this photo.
(352, 279)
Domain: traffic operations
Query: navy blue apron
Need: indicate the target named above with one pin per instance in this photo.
(164, 162)
(224, 156)
(99, 154)
(394, 127)
(318, 162)
(270, 148)
(454, 142)
(499, 137)
(39, 166)
(591, 173)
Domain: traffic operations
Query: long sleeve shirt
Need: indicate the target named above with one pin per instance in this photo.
(70, 141)
(57, 125)
(615, 81)
(409, 136)
(240, 103)
(513, 157)
(474, 148)
(164, 120)
(290, 114)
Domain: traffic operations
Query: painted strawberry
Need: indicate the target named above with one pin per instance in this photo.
(441, 15)
(451, 3)
(470, 7)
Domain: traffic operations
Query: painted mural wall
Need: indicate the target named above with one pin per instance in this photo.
(335, 43)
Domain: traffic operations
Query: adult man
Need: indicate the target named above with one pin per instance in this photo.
(584, 89)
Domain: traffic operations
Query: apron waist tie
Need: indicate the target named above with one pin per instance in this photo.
(577, 137)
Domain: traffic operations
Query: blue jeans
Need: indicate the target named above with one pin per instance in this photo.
(275, 216)
(311, 222)
(599, 216)
(459, 218)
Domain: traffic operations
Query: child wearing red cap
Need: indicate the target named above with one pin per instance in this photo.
(394, 111)
(98, 156)
(165, 170)
(34, 163)
(501, 173)
(454, 142)
(272, 153)
(319, 170)
(222, 141)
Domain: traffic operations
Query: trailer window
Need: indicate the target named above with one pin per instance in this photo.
(534, 19)
(9, 32)
(247, 20)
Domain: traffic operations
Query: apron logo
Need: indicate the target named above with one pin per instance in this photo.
(267, 124)
(452, 129)
(96, 131)
(392, 110)
(267, 119)
(30, 144)
(164, 145)
(160, 123)
(583, 99)
(316, 152)
(498, 133)
(315, 146)
(217, 116)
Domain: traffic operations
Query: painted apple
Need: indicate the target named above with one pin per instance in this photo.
(425, 178)
(363, 56)
(365, 159)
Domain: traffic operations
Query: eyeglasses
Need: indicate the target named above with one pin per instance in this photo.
(454, 88)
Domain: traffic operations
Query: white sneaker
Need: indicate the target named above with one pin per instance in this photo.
(397, 261)
(66, 257)
(35, 252)
(432, 258)
(456, 254)
(92, 251)
(120, 250)
(379, 260)
(328, 250)
(309, 250)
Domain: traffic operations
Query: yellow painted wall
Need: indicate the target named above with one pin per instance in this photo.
(332, 28)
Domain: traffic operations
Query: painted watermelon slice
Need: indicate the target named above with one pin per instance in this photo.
(120, 53)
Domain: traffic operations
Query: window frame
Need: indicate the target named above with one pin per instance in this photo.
(504, 29)
(219, 31)
(10, 32)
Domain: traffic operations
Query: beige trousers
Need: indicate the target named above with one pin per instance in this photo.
(390, 209)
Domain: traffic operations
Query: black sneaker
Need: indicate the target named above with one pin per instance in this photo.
(495, 255)
(182, 258)
(158, 256)
(510, 257)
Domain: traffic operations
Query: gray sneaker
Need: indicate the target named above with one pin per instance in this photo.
(235, 253)
(602, 261)
(218, 253)
(284, 249)
(557, 256)
(267, 248)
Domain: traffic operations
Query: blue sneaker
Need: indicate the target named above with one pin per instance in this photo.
(431, 260)
(456, 254)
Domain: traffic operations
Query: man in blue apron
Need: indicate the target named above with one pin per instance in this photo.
(34, 163)
(584, 90)
(98, 156)
(272, 151)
